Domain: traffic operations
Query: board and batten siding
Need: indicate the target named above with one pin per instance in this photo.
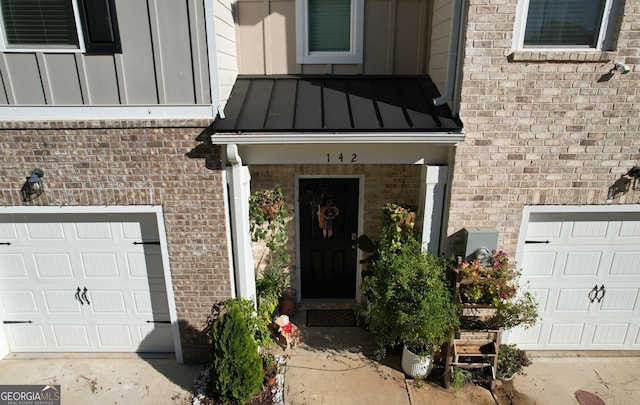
(163, 62)
(396, 38)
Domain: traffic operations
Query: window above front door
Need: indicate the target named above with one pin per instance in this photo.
(329, 31)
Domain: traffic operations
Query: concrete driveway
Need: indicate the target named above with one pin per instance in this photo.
(104, 378)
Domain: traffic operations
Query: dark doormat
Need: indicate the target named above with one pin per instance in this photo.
(331, 317)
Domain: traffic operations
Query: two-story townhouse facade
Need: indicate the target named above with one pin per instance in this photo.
(147, 142)
(150, 146)
(552, 130)
(126, 250)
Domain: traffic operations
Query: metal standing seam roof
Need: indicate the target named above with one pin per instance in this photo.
(334, 104)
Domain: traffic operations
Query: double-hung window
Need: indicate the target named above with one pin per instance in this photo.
(329, 31)
(59, 26)
(565, 24)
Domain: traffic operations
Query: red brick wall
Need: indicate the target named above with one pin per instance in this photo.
(120, 163)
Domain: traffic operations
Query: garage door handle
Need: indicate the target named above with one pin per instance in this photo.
(601, 290)
(12, 322)
(84, 295)
(5, 243)
(536, 241)
(77, 296)
(167, 322)
(157, 242)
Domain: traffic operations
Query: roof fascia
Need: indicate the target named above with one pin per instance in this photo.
(448, 138)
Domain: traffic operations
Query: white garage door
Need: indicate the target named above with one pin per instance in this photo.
(83, 283)
(584, 268)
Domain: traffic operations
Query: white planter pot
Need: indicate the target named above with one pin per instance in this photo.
(416, 366)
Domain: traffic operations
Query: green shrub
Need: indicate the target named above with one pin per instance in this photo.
(236, 367)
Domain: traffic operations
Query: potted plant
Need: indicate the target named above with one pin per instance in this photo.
(408, 300)
(511, 361)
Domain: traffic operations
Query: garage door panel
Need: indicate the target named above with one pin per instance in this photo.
(149, 303)
(566, 333)
(107, 302)
(69, 337)
(610, 334)
(18, 302)
(54, 265)
(92, 230)
(61, 302)
(625, 264)
(542, 296)
(630, 229)
(12, 266)
(544, 227)
(144, 265)
(154, 339)
(572, 300)
(100, 265)
(620, 300)
(111, 336)
(27, 337)
(45, 231)
(582, 263)
(589, 229)
(539, 263)
(8, 231)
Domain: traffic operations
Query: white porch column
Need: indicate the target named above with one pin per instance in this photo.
(433, 187)
(238, 178)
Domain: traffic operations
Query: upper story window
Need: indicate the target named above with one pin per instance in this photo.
(329, 31)
(59, 26)
(566, 24)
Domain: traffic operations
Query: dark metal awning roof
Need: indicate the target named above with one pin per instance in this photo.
(263, 109)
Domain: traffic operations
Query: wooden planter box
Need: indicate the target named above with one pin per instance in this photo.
(479, 312)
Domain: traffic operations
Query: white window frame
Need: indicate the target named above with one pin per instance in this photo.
(521, 24)
(303, 55)
(4, 47)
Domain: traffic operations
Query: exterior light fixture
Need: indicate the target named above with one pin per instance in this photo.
(622, 68)
(32, 188)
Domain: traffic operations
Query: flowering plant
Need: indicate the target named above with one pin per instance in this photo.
(496, 283)
(490, 285)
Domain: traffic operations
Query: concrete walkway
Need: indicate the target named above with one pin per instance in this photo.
(330, 366)
(336, 366)
(104, 379)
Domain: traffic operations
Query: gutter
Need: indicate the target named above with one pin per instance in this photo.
(454, 45)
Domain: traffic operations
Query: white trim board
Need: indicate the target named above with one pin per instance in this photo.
(75, 113)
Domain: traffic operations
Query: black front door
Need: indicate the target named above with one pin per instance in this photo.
(328, 227)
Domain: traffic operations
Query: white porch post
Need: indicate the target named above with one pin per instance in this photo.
(238, 178)
(433, 187)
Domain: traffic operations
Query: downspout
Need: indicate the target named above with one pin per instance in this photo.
(454, 45)
(238, 181)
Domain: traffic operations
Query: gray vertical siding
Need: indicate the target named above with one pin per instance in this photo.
(163, 61)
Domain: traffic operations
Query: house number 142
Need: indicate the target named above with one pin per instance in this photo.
(342, 158)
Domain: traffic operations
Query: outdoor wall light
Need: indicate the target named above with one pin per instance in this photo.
(32, 188)
(622, 68)
(621, 185)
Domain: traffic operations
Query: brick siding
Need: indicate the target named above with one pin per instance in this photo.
(120, 163)
(541, 129)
